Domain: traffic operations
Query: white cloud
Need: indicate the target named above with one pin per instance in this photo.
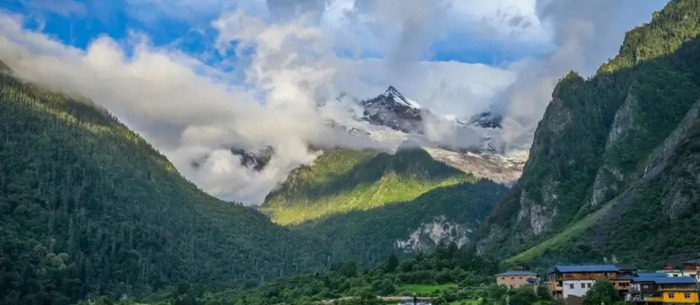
(586, 34)
(287, 62)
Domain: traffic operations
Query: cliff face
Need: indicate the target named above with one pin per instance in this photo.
(602, 137)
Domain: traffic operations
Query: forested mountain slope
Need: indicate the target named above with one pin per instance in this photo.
(603, 157)
(365, 205)
(340, 181)
(87, 207)
(446, 215)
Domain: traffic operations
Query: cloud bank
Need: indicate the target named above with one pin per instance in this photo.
(278, 60)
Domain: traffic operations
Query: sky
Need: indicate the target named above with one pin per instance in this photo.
(199, 77)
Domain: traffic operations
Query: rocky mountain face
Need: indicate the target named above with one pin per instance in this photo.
(486, 119)
(255, 159)
(393, 110)
(609, 147)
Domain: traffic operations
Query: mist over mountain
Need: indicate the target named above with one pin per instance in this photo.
(194, 106)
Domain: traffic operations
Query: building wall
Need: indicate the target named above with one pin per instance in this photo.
(513, 281)
(689, 297)
(623, 285)
(576, 288)
(692, 273)
(583, 276)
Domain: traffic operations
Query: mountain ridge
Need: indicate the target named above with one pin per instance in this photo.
(345, 180)
(595, 142)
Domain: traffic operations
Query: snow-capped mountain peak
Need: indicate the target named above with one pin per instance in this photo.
(396, 96)
(393, 110)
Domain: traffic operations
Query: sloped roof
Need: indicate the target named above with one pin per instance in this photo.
(516, 273)
(643, 275)
(665, 280)
(585, 268)
(651, 274)
(692, 261)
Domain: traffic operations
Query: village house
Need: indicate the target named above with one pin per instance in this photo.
(669, 271)
(692, 268)
(516, 278)
(573, 282)
(663, 290)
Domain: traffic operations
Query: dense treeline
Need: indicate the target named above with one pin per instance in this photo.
(368, 236)
(87, 207)
(346, 283)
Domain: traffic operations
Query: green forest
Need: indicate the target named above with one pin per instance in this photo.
(88, 208)
(465, 204)
(341, 181)
(447, 276)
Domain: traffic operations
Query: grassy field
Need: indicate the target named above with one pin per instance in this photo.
(427, 289)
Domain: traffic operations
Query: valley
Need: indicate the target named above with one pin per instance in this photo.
(385, 198)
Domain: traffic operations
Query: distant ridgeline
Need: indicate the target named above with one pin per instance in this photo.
(87, 207)
(365, 205)
(614, 169)
(345, 180)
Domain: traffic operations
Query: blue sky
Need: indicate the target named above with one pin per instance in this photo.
(78, 22)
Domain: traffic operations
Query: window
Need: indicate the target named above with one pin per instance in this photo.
(583, 285)
(671, 295)
(512, 277)
(687, 295)
(589, 285)
(571, 286)
(520, 277)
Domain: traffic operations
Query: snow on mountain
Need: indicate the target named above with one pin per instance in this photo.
(393, 94)
(393, 110)
(394, 120)
(499, 168)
